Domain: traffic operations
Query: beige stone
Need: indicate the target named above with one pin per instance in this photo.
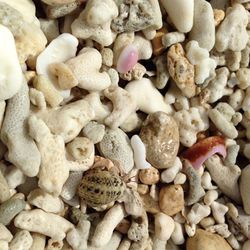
(149, 176)
(181, 70)
(160, 136)
(150, 205)
(203, 240)
(171, 199)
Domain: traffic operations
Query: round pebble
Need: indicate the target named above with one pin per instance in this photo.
(160, 136)
(171, 199)
(149, 176)
(203, 240)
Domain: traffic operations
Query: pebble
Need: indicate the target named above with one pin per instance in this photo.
(181, 70)
(171, 199)
(160, 136)
(203, 240)
(139, 153)
(94, 131)
(181, 13)
(115, 146)
(203, 30)
(149, 176)
(4, 188)
(9, 209)
(245, 187)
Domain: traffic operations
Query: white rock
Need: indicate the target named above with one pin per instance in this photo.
(139, 152)
(11, 76)
(203, 30)
(181, 13)
(60, 49)
(26, 8)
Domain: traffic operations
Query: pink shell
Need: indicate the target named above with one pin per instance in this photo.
(127, 59)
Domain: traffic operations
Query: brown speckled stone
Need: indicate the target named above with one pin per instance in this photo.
(203, 240)
(171, 199)
(160, 136)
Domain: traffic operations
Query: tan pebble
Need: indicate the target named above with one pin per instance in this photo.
(171, 199)
(150, 205)
(29, 75)
(142, 189)
(160, 136)
(181, 70)
(158, 47)
(43, 84)
(149, 176)
(66, 79)
(123, 226)
(203, 240)
(218, 16)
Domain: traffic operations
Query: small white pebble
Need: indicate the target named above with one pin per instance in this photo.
(180, 178)
(139, 153)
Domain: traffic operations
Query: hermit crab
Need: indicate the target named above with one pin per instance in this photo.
(104, 183)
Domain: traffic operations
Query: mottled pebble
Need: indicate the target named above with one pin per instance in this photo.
(171, 199)
(160, 136)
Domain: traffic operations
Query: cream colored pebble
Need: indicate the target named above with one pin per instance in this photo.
(178, 234)
(52, 96)
(219, 210)
(180, 179)
(169, 174)
(206, 181)
(4, 245)
(21, 241)
(190, 229)
(39, 241)
(37, 98)
(39, 198)
(123, 105)
(147, 97)
(65, 77)
(105, 228)
(5, 234)
(139, 152)
(38, 221)
(125, 244)
(236, 99)
(163, 232)
(210, 197)
(207, 222)
(144, 47)
(81, 152)
(11, 73)
(233, 242)
(107, 56)
(243, 76)
(54, 171)
(233, 59)
(197, 213)
(86, 68)
(94, 131)
(172, 38)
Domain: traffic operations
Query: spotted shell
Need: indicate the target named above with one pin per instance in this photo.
(100, 187)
